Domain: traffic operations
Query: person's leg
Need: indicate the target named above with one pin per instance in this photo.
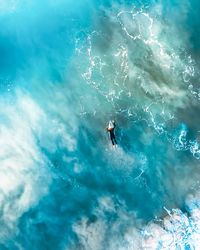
(115, 140)
(112, 137)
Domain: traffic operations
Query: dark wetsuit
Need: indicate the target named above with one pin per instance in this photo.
(112, 135)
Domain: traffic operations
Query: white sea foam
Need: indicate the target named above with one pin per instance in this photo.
(25, 171)
(23, 166)
(177, 230)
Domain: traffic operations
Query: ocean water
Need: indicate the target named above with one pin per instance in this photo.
(67, 68)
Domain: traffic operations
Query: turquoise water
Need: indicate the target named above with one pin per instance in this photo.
(66, 69)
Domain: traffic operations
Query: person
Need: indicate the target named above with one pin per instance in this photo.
(110, 129)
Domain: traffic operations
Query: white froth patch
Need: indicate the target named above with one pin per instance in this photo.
(22, 163)
(23, 170)
(102, 234)
(25, 177)
(91, 235)
(176, 231)
(106, 204)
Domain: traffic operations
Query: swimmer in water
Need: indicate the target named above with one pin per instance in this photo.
(110, 129)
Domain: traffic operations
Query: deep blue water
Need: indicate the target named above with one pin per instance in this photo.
(66, 69)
